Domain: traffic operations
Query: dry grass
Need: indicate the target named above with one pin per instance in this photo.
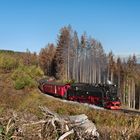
(111, 125)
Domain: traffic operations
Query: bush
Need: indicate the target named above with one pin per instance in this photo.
(19, 84)
(26, 76)
(8, 63)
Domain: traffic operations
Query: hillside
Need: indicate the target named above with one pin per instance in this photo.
(20, 101)
(25, 103)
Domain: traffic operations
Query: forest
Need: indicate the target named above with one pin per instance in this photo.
(79, 59)
(83, 59)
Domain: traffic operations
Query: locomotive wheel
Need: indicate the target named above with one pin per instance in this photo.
(103, 103)
(65, 96)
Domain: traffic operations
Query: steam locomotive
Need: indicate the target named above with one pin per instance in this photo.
(104, 95)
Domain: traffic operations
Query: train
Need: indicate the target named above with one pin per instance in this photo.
(104, 95)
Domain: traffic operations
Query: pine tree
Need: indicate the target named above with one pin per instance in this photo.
(61, 59)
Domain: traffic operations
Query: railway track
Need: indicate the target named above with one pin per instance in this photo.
(126, 111)
(136, 112)
(71, 102)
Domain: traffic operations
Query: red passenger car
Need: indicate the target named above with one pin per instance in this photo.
(53, 88)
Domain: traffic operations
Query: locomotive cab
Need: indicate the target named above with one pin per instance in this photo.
(112, 100)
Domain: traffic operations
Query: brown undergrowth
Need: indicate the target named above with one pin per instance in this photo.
(26, 102)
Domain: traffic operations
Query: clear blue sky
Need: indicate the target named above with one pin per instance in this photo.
(34, 23)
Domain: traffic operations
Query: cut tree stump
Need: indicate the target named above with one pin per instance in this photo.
(68, 127)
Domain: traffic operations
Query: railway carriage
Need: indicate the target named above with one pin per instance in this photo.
(53, 88)
(99, 94)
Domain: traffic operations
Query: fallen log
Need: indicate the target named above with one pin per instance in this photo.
(64, 126)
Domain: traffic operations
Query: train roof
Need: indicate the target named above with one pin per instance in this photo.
(46, 81)
(79, 84)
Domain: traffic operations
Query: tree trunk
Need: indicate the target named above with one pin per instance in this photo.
(129, 92)
(112, 76)
(68, 63)
(134, 95)
(99, 74)
(139, 100)
(119, 81)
